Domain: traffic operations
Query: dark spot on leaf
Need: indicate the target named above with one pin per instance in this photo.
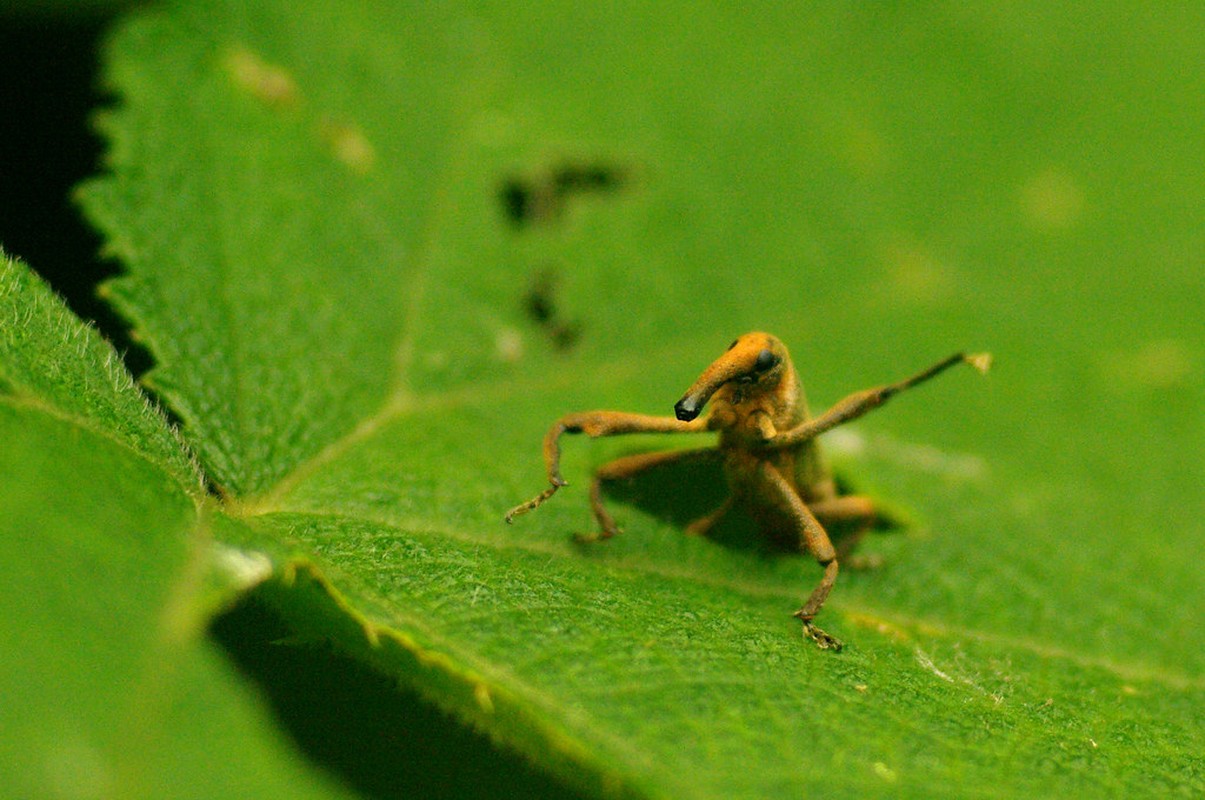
(517, 202)
(540, 303)
(541, 307)
(571, 178)
(565, 336)
(540, 198)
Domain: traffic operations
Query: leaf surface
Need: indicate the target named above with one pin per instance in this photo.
(313, 209)
(111, 687)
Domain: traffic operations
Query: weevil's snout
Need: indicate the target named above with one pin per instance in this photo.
(749, 359)
(687, 408)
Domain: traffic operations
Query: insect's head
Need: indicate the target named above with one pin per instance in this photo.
(756, 361)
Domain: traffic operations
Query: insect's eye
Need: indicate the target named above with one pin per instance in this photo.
(765, 360)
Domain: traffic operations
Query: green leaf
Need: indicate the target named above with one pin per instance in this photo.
(312, 207)
(53, 364)
(111, 687)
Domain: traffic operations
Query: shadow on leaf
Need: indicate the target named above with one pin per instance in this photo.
(679, 493)
(381, 739)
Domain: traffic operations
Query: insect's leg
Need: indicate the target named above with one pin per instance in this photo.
(859, 403)
(702, 525)
(817, 542)
(850, 509)
(594, 424)
(628, 467)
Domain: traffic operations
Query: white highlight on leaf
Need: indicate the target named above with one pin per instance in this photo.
(923, 457)
(245, 568)
(923, 659)
(509, 345)
(926, 661)
(885, 772)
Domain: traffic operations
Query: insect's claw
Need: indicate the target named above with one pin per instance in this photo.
(824, 641)
(597, 536)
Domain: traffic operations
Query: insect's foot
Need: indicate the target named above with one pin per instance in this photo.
(825, 641)
(597, 536)
(535, 502)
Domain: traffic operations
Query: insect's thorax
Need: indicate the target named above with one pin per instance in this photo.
(736, 409)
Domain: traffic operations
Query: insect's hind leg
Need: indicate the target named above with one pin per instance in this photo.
(629, 467)
(702, 525)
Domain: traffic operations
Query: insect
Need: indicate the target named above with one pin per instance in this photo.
(767, 441)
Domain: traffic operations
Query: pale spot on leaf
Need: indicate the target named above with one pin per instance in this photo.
(269, 83)
(882, 626)
(509, 345)
(885, 772)
(349, 144)
(1052, 200)
(915, 275)
(1159, 364)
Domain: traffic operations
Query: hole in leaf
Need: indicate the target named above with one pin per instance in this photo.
(541, 198)
(382, 740)
(542, 308)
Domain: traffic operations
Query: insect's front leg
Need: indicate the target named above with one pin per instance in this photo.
(815, 539)
(859, 403)
(595, 424)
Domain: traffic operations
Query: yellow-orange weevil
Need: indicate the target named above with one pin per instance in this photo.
(768, 445)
